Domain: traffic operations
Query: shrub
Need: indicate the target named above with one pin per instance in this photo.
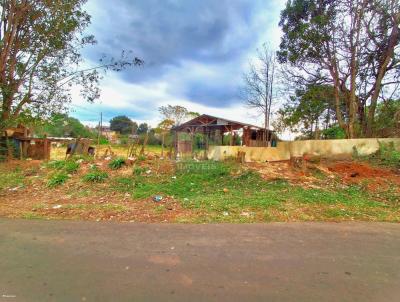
(57, 179)
(117, 163)
(95, 176)
(388, 154)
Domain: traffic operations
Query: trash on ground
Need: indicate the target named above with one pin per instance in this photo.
(57, 206)
(157, 198)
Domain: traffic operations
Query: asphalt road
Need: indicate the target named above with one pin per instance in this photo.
(89, 261)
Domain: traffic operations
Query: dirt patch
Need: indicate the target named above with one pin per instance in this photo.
(374, 177)
(359, 170)
(319, 174)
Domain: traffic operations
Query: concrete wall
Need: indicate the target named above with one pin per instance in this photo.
(287, 150)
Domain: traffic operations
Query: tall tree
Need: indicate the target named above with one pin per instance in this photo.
(143, 128)
(123, 124)
(176, 113)
(349, 44)
(259, 84)
(40, 44)
(309, 111)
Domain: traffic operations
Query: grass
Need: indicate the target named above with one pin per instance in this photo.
(387, 156)
(69, 166)
(205, 191)
(95, 175)
(221, 192)
(117, 163)
(57, 179)
(11, 179)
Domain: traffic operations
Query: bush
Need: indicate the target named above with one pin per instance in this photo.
(388, 154)
(95, 176)
(117, 163)
(334, 132)
(57, 179)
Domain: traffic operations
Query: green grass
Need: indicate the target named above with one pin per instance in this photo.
(57, 179)
(11, 179)
(117, 163)
(69, 166)
(200, 187)
(32, 215)
(95, 175)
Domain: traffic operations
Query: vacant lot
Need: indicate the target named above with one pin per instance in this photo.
(154, 190)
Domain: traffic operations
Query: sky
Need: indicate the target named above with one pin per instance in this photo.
(195, 54)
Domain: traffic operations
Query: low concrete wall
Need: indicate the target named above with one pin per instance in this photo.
(287, 150)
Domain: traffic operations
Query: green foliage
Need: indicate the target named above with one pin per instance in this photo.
(388, 154)
(95, 175)
(61, 125)
(123, 125)
(334, 132)
(48, 37)
(117, 163)
(308, 110)
(387, 117)
(57, 179)
(143, 128)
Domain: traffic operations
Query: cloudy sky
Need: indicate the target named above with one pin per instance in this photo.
(195, 53)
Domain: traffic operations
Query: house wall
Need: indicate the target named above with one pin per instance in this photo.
(288, 150)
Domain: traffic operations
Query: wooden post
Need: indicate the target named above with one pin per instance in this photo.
(45, 146)
(231, 140)
(205, 142)
(162, 143)
(175, 145)
(192, 140)
(9, 151)
(20, 150)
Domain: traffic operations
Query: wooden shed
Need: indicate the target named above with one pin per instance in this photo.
(216, 127)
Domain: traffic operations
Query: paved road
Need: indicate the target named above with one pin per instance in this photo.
(88, 261)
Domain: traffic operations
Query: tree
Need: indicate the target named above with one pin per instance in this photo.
(40, 44)
(259, 83)
(61, 125)
(176, 113)
(143, 128)
(349, 44)
(387, 122)
(309, 111)
(123, 125)
(164, 128)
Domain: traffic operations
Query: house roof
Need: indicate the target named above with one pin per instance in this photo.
(209, 121)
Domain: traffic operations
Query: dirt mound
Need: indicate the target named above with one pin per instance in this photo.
(359, 170)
